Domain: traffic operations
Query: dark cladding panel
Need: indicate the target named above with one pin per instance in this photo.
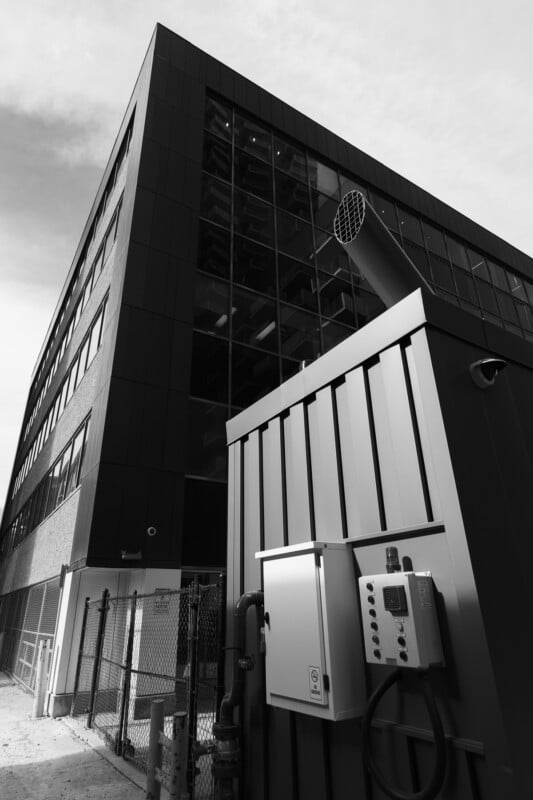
(141, 226)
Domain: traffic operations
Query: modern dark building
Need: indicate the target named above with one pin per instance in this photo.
(207, 274)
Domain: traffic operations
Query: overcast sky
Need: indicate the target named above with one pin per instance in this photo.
(439, 91)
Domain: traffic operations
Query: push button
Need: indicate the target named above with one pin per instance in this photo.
(377, 653)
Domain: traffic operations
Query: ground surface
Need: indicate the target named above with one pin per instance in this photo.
(56, 759)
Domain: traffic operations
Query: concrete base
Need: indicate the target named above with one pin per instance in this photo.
(59, 705)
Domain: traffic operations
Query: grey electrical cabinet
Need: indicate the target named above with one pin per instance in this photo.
(314, 651)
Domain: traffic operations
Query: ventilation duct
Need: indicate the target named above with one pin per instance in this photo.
(374, 250)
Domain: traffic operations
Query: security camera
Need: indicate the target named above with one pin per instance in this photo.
(151, 531)
(484, 371)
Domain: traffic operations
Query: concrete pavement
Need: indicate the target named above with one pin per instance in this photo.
(57, 759)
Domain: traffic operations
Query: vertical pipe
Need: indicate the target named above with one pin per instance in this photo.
(155, 749)
(41, 678)
(221, 641)
(125, 701)
(98, 654)
(80, 655)
(194, 602)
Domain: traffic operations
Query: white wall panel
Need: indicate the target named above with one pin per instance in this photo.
(360, 490)
(324, 467)
(252, 512)
(406, 462)
(298, 513)
(272, 485)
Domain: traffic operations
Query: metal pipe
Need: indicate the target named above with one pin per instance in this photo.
(374, 250)
(226, 759)
(104, 606)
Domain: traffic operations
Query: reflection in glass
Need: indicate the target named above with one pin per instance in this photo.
(498, 276)
(218, 118)
(331, 256)
(253, 374)
(206, 451)
(525, 316)
(252, 137)
(254, 266)
(367, 306)
(217, 157)
(410, 227)
(297, 283)
(209, 373)
(419, 258)
(290, 159)
(465, 286)
(434, 240)
(323, 178)
(477, 264)
(215, 202)
(300, 334)
(486, 297)
(507, 307)
(253, 175)
(457, 252)
(349, 185)
(211, 305)
(294, 237)
(442, 272)
(336, 299)
(324, 210)
(517, 286)
(253, 218)
(292, 195)
(385, 210)
(213, 250)
(332, 334)
(254, 320)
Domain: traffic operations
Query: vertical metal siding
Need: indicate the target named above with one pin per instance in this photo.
(273, 486)
(360, 490)
(324, 467)
(298, 500)
(253, 491)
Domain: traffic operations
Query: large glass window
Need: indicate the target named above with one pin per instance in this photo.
(253, 218)
(253, 175)
(297, 283)
(254, 266)
(324, 210)
(217, 157)
(292, 195)
(216, 201)
(211, 311)
(218, 118)
(300, 334)
(385, 210)
(252, 137)
(206, 454)
(254, 320)
(323, 178)
(214, 250)
(290, 159)
(336, 299)
(253, 374)
(295, 237)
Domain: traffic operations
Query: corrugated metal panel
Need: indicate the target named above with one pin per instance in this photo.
(298, 488)
(273, 473)
(325, 467)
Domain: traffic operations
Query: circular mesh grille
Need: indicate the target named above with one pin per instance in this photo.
(349, 217)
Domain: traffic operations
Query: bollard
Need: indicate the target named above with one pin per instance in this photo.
(155, 750)
(41, 678)
(178, 762)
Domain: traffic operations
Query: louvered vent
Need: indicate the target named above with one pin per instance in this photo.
(349, 217)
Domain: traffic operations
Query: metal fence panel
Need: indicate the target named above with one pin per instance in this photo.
(164, 646)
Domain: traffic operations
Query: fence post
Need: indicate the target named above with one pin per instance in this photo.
(41, 676)
(80, 654)
(98, 654)
(178, 762)
(221, 642)
(155, 749)
(125, 700)
(192, 699)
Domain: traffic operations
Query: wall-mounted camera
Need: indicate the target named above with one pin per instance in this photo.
(151, 530)
(485, 370)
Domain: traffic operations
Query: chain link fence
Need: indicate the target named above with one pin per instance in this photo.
(164, 646)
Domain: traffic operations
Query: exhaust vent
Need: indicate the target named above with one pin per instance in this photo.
(349, 217)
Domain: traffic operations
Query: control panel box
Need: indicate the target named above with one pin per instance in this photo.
(314, 658)
(400, 623)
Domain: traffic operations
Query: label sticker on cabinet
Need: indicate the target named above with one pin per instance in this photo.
(315, 684)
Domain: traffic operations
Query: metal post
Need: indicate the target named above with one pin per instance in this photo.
(125, 700)
(155, 749)
(178, 760)
(194, 602)
(98, 654)
(80, 654)
(221, 642)
(41, 678)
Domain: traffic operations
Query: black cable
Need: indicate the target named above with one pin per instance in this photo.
(439, 770)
